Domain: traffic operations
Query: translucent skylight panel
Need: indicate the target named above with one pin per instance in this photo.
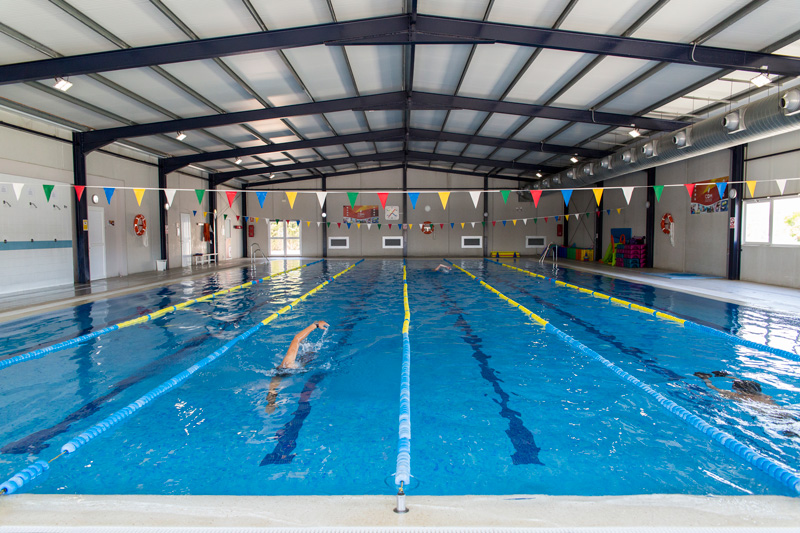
(534, 157)
(549, 72)
(465, 9)
(507, 154)
(207, 18)
(437, 68)
(304, 155)
(527, 13)
(377, 69)
(762, 27)
(605, 78)
(310, 126)
(136, 23)
(55, 106)
(421, 146)
(267, 74)
(330, 152)
(686, 20)
(208, 79)
(389, 146)
(501, 125)
(346, 122)
(577, 132)
(611, 18)
(427, 119)
(539, 129)
(361, 9)
(492, 69)
(164, 145)
(292, 14)
(363, 148)
(16, 52)
(451, 148)
(271, 129)
(323, 70)
(384, 120)
(478, 150)
(464, 121)
(147, 83)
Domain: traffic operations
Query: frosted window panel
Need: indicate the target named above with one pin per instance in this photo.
(756, 222)
(786, 221)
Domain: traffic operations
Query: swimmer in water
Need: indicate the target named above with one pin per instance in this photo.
(743, 389)
(289, 362)
(443, 268)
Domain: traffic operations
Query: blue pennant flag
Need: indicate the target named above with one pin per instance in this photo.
(452, 224)
(413, 197)
(721, 188)
(194, 213)
(556, 218)
(261, 195)
(504, 222)
(109, 193)
(608, 211)
(246, 219)
(567, 194)
(348, 225)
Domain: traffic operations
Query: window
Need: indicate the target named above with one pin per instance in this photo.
(284, 238)
(772, 221)
(471, 241)
(533, 241)
(393, 242)
(342, 243)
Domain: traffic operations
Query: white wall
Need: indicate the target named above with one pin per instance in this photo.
(185, 201)
(633, 215)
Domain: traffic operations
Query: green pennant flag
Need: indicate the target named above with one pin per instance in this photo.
(658, 189)
(329, 224)
(352, 196)
(224, 217)
(379, 226)
(48, 190)
(535, 220)
(200, 193)
(484, 223)
(505, 196)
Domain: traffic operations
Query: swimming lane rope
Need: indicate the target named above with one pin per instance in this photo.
(39, 467)
(403, 472)
(772, 468)
(664, 316)
(41, 352)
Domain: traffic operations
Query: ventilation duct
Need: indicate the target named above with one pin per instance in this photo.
(770, 116)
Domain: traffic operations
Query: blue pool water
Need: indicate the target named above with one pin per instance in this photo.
(498, 405)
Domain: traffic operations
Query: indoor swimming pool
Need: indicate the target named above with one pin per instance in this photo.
(498, 404)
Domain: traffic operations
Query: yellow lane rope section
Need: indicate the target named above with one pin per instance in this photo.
(539, 320)
(161, 312)
(407, 318)
(600, 295)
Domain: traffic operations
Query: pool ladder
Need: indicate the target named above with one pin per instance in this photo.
(254, 250)
(555, 255)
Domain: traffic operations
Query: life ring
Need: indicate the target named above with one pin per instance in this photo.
(139, 225)
(666, 223)
(427, 227)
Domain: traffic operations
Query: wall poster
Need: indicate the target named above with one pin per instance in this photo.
(364, 214)
(706, 197)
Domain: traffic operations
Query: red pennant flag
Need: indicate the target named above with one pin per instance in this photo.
(536, 195)
(494, 222)
(382, 196)
(441, 226)
(237, 218)
(390, 226)
(287, 222)
(231, 197)
(690, 188)
(597, 213)
(338, 224)
(545, 220)
(79, 191)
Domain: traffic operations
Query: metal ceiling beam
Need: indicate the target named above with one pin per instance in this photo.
(222, 177)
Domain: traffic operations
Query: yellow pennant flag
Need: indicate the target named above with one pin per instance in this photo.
(410, 226)
(308, 223)
(619, 210)
(205, 213)
(514, 221)
(443, 196)
(462, 225)
(598, 194)
(567, 216)
(291, 196)
(751, 186)
(358, 226)
(256, 220)
(139, 193)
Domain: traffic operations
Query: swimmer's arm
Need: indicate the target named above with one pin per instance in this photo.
(726, 393)
(291, 353)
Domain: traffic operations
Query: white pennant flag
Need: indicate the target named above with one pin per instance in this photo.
(170, 194)
(369, 226)
(476, 195)
(780, 183)
(577, 216)
(266, 220)
(627, 191)
(18, 188)
(525, 220)
(318, 223)
(321, 197)
(473, 224)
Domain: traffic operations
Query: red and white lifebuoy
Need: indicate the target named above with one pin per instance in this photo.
(427, 227)
(666, 223)
(139, 225)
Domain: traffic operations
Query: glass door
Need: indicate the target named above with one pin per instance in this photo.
(284, 238)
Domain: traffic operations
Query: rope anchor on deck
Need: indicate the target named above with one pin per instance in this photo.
(401, 501)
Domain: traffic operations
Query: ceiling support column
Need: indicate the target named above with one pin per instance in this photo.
(81, 210)
(736, 193)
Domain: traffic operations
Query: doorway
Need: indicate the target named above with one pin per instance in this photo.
(97, 243)
(186, 240)
(284, 238)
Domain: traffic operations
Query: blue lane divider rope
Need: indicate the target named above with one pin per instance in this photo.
(26, 475)
(403, 471)
(41, 352)
(664, 316)
(772, 468)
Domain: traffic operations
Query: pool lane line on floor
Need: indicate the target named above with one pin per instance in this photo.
(39, 467)
(403, 470)
(659, 314)
(772, 468)
(41, 352)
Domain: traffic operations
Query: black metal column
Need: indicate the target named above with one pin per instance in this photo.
(81, 210)
(598, 226)
(735, 203)
(405, 209)
(650, 226)
(162, 210)
(485, 216)
(325, 219)
(245, 222)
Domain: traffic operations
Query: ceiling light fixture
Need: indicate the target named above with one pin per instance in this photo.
(761, 80)
(573, 159)
(538, 174)
(271, 176)
(62, 84)
(238, 161)
(181, 136)
(635, 133)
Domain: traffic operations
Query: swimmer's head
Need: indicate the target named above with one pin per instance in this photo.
(747, 387)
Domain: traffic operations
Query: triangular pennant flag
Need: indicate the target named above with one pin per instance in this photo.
(505, 196)
(493, 222)
(525, 221)
(462, 225)
(483, 223)
(79, 191)
(246, 219)
(256, 220)
(200, 193)
(597, 213)
(545, 220)
(658, 189)
(535, 220)
(170, 195)
(566, 193)
(577, 216)
(382, 196)
(329, 224)
(598, 194)
(504, 223)
(536, 195)
(379, 226)
(48, 190)
(619, 210)
(139, 195)
(109, 193)
(237, 218)
(751, 186)
(231, 197)
(410, 226)
(225, 217)
(390, 226)
(291, 195)
(443, 196)
(358, 225)
(721, 188)
(338, 224)
(318, 223)
(352, 197)
(261, 195)
(321, 198)
(556, 218)
(627, 191)
(194, 213)
(348, 225)
(308, 223)
(690, 189)
(369, 226)
(781, 185)
(608, 211)
(413, 197)
(441, 226)
(476, 196)
(452, 224)
(18, 188)
(400, 227)
(473, 224)
(566, 216)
